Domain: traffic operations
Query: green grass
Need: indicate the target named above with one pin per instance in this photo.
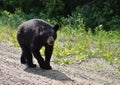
(7, 34)
(73, 46)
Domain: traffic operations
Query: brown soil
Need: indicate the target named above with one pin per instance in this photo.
(95, 71)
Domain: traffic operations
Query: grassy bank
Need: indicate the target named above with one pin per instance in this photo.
(75, 45)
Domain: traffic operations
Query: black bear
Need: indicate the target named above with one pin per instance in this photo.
(32, 35)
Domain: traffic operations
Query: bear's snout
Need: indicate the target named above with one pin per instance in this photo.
(50, 40)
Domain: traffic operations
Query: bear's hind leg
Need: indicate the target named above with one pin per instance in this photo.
(23, 58)
(28, 57)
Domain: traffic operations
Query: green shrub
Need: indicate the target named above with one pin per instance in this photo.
(12, 20)
(94, 16)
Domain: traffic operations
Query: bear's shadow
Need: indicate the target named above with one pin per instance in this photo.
(52, 74)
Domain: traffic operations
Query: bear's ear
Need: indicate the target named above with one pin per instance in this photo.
(56, 27)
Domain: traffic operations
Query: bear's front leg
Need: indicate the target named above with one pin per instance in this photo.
(38, 56)
(48, 54)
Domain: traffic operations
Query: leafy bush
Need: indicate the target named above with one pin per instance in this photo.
(75, 21)
(18, 17)
(93, 12)
(96, 15)
(12, 20)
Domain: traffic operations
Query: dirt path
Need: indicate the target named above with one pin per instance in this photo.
(91, 72)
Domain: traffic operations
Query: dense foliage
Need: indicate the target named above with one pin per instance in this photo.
(93, 12)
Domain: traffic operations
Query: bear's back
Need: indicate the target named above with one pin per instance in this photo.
(35, 23)
(28, 29)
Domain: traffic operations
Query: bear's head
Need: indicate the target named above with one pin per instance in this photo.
(51, 35)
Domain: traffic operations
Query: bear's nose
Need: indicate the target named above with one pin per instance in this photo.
(52, 42)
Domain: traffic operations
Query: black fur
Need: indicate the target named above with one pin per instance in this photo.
(32, 35)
